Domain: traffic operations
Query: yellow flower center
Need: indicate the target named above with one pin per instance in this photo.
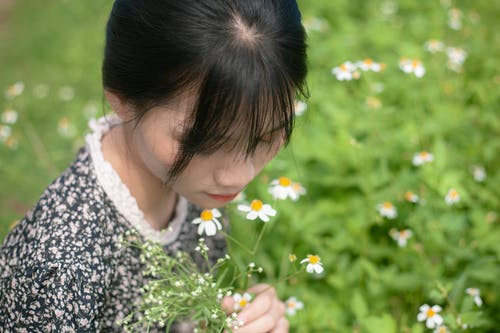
(343, 68)
(424, 154)
(387, 205)
(256, 205)
(430, 313)
(291, 304)
(368, 61)
(453, 194)
(284, 181)
(403, 234)
(314, 259)
(415, 63)
(206, 215)
(243, 303)
(442, 329)
(409, 196)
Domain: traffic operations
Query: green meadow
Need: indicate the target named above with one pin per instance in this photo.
(397, 148)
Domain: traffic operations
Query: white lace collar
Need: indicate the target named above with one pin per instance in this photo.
(118, 192)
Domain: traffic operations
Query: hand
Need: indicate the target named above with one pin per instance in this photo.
(265, 314)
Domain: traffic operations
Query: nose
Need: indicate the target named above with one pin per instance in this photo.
(235, 174)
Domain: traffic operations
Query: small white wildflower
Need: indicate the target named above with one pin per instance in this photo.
(422, 157)
(208, 222)
(314, 264)
(66, 93)
(479, 173)
(9, 116)
(401, 236)
(430, 315)
(257, 209)
(14, 90)
(476, 295)
(387, 209)
(292, 305)
(241, 301)
(452, 197)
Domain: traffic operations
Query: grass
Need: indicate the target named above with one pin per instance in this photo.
(352, 150)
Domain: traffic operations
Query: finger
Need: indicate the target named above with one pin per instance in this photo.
(262, 304)
(228, 304)
(282, 327)
(266, 322)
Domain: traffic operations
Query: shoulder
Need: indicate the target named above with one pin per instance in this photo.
(52, 296)
(69, 222)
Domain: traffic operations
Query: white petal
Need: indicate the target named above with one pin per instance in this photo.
(252, 215)
(310, 268)
(201, 229)
(436, 308)
(210, 229)
(244, 208)
(438, 319)
(268, 210)
(318, 268)
(217, 223)
(304, 260)
(421, 316)
(263, 217)
(424, 308)
(216, 213)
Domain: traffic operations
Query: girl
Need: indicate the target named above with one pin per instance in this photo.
(202, 94)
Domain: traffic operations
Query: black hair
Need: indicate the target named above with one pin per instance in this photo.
(245, 60)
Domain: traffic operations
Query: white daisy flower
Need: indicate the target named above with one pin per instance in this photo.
(411, 197)
(456, 55)
(282, 188)
(452, 197)
(369, 65)
(299, 189)
(412, 66)
(66, 93)
(430, 315)
(41, 90)
(479, 173)
(434, 45)
(300, 107)
(292, 305)
(5, 132)
(314, 264)
(401, 236)
(241, 301)
(476, 295)
(257, 209)
(66, 128)
(14, 90)
(208, 222)
(441, 329)
(9, 116)
(387, 209)
(345, 72)
(455, 18)
(422, 158)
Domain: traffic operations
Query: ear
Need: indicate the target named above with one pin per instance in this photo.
(123, 109)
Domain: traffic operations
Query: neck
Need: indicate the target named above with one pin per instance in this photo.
(156, 200)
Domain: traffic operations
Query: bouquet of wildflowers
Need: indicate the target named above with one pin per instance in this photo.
(180, 291)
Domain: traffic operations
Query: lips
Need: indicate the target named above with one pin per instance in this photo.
(222, 197)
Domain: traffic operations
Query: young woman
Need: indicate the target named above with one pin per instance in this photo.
(202, 94)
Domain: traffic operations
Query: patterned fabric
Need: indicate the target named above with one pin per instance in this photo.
(62, 268)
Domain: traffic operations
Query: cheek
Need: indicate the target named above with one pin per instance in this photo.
(157, 152)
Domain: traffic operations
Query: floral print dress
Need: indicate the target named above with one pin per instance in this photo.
(63, 267)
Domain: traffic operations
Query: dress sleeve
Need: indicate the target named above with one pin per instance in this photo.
(51, 297)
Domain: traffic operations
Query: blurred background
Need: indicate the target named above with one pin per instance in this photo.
(397, 147)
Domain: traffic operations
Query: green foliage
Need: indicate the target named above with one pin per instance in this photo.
(352, 150)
